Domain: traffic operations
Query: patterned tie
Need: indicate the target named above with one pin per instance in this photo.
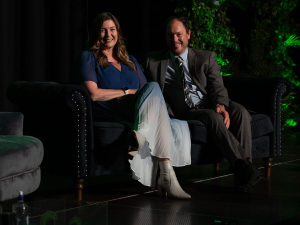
(187, 95)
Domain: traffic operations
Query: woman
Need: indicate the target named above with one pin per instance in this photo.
(120, 92)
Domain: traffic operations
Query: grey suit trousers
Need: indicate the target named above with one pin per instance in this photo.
(235, 142)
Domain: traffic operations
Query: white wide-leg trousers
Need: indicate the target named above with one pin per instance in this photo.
(165, 137)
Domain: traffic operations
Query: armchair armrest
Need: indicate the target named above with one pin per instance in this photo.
(262, 95)
(60, 116)
(11, 123)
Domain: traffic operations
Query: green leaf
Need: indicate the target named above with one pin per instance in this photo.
(292, 41)
(291, 122)
(242, 4)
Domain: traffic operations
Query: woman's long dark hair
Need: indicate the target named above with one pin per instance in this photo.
(93, 43)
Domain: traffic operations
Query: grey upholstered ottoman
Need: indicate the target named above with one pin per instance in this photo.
(20, 158)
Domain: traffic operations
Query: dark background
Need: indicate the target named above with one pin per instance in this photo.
(40, 39)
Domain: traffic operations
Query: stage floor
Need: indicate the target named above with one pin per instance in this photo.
(121, 200)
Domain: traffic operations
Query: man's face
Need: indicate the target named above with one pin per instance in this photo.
(177, 37)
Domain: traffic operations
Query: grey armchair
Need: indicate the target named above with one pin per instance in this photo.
(20, 158)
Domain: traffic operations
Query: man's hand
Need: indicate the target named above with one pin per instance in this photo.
(222, 110)
(124, 99)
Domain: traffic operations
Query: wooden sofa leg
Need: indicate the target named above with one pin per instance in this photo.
(268, 166)
(79, 186)
(216, 169)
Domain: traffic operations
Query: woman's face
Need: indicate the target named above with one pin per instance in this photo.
(108, 35)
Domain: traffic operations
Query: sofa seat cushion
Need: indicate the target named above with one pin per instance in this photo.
(260, 125)
(19, 154)
(111, 133)
(198, 131)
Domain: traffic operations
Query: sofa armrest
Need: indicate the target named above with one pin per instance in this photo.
(258, 94)
(11, 123)
(60, 116)
(261, 95)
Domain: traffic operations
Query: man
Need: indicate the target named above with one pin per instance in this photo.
(193, 89)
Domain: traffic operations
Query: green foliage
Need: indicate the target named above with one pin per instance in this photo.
(290, 114)
(210, 29)
(242, 4)
(271, 43)
(274, 33)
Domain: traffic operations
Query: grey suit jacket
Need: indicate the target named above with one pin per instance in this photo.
(203, 68)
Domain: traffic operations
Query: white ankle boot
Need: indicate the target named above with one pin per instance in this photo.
(136, 140)
(168, 183)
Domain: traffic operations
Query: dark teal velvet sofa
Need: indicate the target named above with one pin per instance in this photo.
(60, 115)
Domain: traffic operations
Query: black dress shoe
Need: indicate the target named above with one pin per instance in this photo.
(246, 175)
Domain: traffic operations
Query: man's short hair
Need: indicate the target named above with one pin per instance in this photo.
(181, 19)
